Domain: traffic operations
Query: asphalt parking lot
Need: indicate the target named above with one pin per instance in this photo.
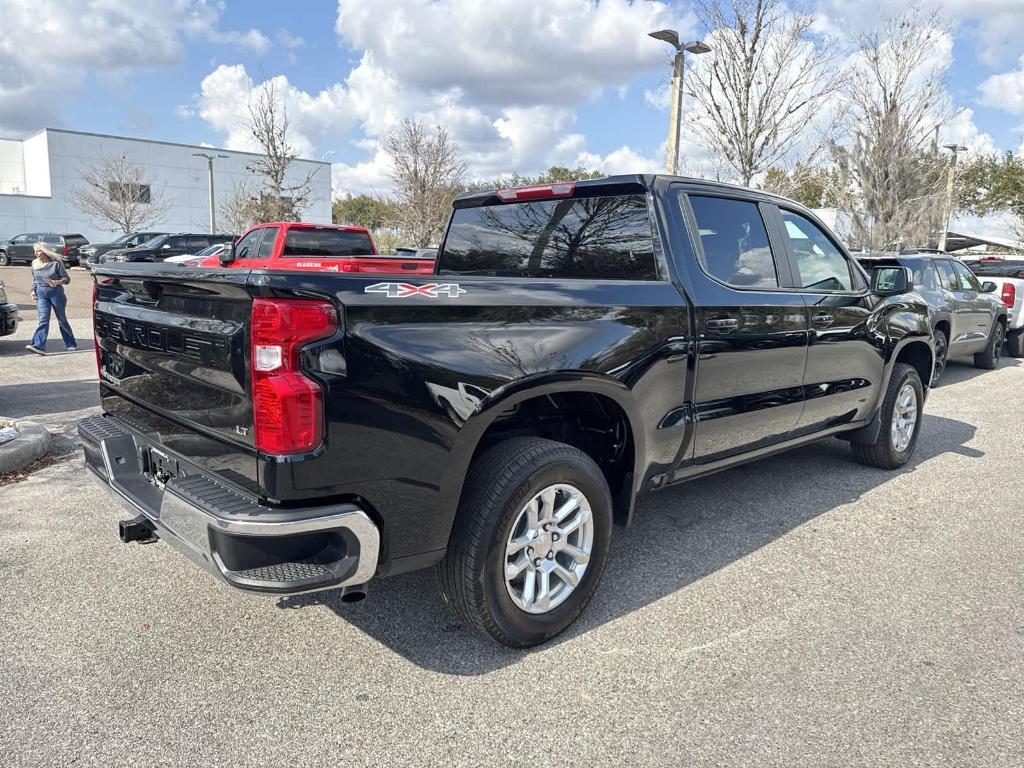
(799, 611)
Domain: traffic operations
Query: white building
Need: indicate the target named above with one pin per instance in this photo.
(38, 176)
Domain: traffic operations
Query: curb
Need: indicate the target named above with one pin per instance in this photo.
(33, 443)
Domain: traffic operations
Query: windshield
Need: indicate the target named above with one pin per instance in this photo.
(210, 251)
(123, 239)
(153, 242)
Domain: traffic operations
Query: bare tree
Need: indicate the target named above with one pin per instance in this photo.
(238, 211)
(762, 89)
(114, 193)
(894, 173)
(268, 124)
(427, 173)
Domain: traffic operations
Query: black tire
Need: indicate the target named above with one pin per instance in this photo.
(1015, 344)
(882, 453)
(989, 357)
(941, 349)
(5, 260)
(499, 483)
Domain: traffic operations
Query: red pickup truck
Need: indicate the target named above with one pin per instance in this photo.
(302, 246)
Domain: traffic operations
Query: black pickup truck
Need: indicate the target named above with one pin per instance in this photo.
(579, 344)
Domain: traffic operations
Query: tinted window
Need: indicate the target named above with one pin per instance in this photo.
(968, 282)
(947, 277)
(177, 242)
(735, 242)
(998, 268)
(52, 240)
(246, 248)
(197, 242)
(155, 242)
(603, 238)
(267, 245)
(327, 243)
(820, 264)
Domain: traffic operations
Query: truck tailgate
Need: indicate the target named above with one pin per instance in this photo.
(173, 358)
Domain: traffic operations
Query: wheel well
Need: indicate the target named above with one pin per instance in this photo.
(593, 423)
(943, 325)
(918, 355)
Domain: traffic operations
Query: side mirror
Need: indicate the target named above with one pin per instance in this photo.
(891, 281)
(228, 255)
(988, 287)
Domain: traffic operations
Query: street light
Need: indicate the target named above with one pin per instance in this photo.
(956, 149)
(675, 118)
(213, 204)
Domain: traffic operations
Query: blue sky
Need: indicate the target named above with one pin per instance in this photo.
(520, 84)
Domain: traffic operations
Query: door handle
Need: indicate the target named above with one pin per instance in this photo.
(722, 324)
(823, 320)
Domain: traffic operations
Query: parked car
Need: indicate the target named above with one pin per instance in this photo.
(8, 313)
(163, 246)
(1008, 276)
(581, 344)
(196, 259)
(19, 248)
(966, 317)
(306, 247)
(91, 253)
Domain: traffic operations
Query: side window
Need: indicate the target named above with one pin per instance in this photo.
(267, 244)
(968, 282)
(197, 242)
(19, 239)
(947, 277)
(176, 243)
(927, 279)
(735, 242)
(820, 264)
(246, 248)
(53, 240)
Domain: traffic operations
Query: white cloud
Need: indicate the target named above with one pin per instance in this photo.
(509, 52)
(1005, 91)
(962, 130)
(97, 36)
(997, 26)
(252, 39)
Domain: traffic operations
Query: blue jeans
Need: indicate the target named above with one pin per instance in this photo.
(47, 299)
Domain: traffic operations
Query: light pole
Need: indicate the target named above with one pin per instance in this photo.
(956, 149)
(213, 204)
(675, 118)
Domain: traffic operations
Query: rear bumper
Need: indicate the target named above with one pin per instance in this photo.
(247, 545)
(8, 319)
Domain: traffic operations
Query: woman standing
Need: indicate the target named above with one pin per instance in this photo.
(49, 276)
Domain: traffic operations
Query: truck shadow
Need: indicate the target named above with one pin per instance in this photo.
(680, 536)
(961, 369)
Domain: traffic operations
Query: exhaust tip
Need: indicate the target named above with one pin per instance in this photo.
(355, 594)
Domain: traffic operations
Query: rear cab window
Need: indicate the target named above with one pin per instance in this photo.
(326, 243)
(607, 237)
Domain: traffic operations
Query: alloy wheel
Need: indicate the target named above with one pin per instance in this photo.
(548, 549)
(904, 418)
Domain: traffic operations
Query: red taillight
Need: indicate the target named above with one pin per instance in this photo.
(537, 192)
(288, 412)
(66, 250)
(1009, 295)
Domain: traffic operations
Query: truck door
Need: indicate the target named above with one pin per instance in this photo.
(844, 365)
(976, 306)
(750, 328)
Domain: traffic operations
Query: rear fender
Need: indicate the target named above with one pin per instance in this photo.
(507, 396)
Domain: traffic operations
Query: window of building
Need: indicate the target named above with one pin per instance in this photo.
(137, 193)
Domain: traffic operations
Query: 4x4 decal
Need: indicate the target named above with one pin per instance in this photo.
(430, 290)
